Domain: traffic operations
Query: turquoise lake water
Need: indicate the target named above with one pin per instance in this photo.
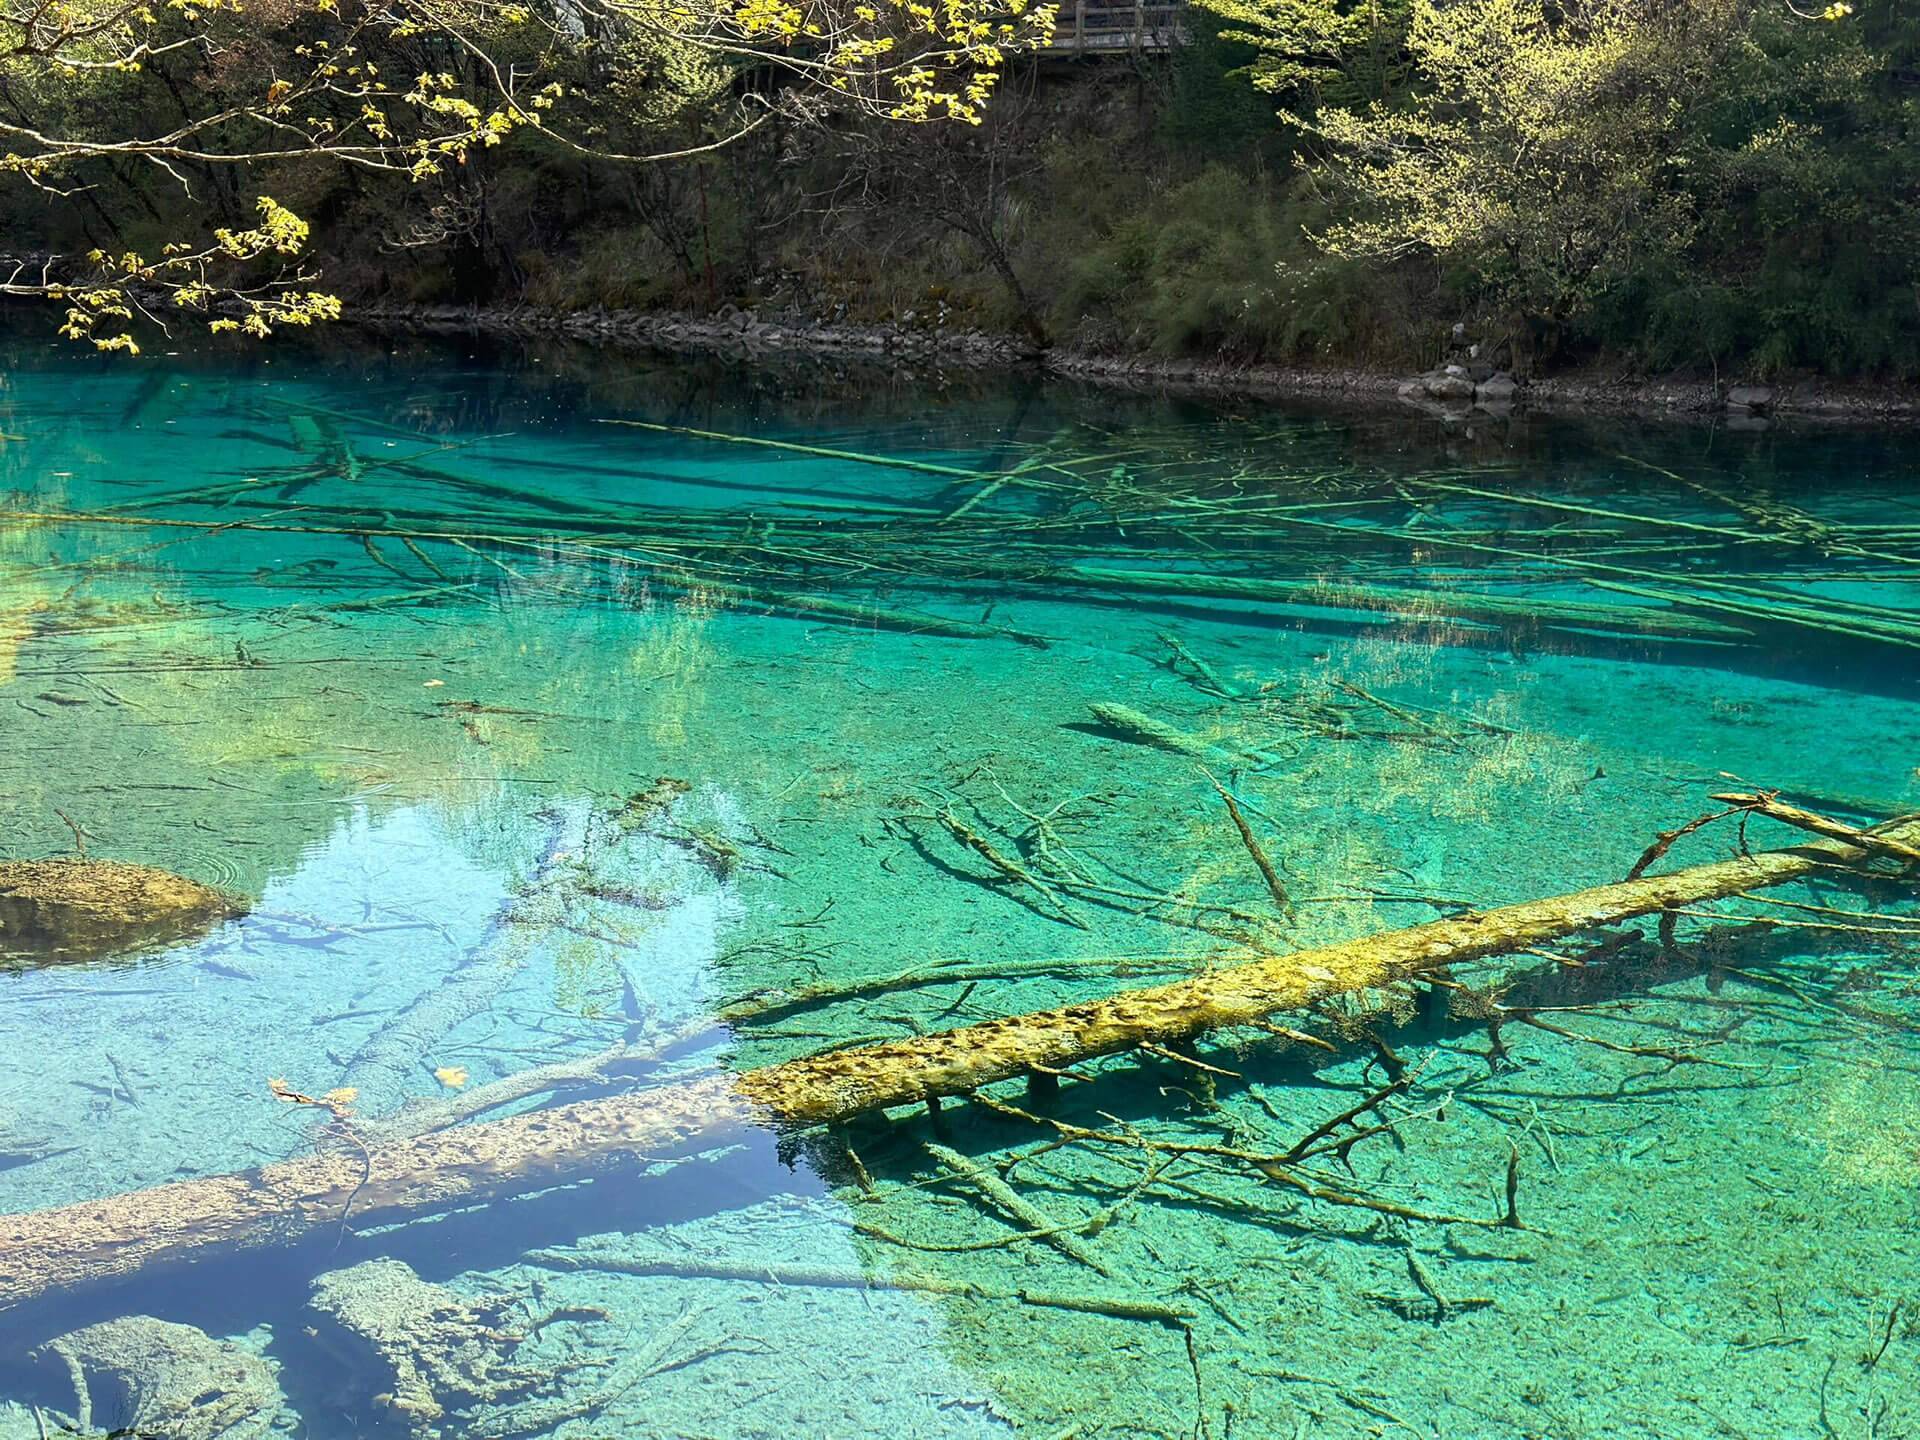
(526, 733)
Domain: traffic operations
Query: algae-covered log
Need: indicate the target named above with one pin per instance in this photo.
(98, 1240)
(1143, 729)
(59, 910)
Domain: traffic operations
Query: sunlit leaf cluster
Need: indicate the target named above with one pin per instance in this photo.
(206, 96)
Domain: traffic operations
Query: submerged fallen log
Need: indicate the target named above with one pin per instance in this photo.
(383, 1067)
(1419, 604)
(829, 607)
(1119, 1307)
(1143, 729)
(74, 1245)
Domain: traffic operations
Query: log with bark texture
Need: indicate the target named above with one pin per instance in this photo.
(98, 1240)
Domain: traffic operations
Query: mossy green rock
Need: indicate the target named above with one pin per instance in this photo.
(61, 910)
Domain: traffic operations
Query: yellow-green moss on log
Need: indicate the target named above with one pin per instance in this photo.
(52, 1250)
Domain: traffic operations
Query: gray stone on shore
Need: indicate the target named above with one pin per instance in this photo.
(1496, 390)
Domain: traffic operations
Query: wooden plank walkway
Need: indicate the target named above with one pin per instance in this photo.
(1096, 26)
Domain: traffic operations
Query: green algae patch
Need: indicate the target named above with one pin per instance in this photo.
(54, 911)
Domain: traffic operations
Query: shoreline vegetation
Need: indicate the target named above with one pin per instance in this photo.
(1702, 210)
(749, 335)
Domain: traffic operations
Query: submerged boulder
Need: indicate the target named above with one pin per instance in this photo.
(418, 1357)
(55, 910)
(417, 1349)
(142, 1376)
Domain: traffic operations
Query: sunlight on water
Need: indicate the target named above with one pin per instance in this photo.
(554, 760)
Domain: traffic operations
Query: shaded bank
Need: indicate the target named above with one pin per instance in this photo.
(748, 336)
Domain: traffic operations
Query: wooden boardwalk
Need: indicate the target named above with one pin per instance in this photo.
(1098, 26)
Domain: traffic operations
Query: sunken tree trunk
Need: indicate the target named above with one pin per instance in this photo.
(73, 1245)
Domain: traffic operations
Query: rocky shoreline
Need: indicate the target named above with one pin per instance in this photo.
(1450, 392)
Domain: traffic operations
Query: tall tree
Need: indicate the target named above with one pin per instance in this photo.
(207, 94)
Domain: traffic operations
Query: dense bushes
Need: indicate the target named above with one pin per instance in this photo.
(1718, 186)
(1698, 183)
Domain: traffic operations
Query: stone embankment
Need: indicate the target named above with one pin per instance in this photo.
(731, 330)
(1473, 380)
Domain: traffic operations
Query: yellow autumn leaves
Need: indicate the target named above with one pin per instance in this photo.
(339, 1102)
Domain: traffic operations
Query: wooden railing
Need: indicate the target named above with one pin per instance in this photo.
(1094, 25)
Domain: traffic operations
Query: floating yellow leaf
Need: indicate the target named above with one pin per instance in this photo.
(451, 1076)
(345, 1095)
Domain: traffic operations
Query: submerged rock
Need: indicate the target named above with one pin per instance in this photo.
(59, 910)
(138, 1375)
(417, 1349)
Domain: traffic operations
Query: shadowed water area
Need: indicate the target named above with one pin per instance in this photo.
(635, 723)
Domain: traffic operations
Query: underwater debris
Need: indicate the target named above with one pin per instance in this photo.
(1769, 805)
(1004, 1198)
(138, 1375)
(1009, 868)
(1275, 886)
(1208, 677)
(1421, 604)
(76, 909)
(1143, 729)
(829, 607)
(386, 1066)
(55, 1249)
(323, 438)
(418, 1351)
(827, 1277)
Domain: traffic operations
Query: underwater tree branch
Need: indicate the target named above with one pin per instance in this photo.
(48, 1251)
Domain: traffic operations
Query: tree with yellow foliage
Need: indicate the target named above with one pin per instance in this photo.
(208, 94)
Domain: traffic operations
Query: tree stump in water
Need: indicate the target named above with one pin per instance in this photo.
(63, 910)
(429, 1358)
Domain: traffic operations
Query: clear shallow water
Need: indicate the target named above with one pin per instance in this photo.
(386, 644)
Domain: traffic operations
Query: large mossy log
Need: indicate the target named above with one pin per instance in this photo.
(50, 1250)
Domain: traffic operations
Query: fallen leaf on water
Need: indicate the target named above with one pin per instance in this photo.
(451, 1076)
